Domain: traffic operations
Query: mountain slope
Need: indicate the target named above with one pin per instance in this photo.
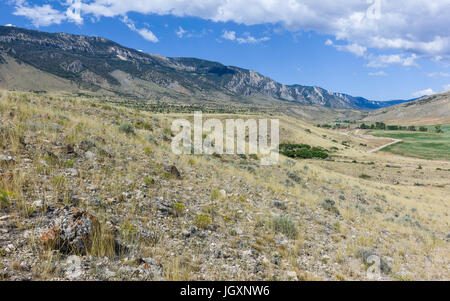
(22, 77)
(428, 110)
(93, 63)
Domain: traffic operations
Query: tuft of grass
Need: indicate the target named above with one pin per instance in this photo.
(179, 208)
(167, 132)
(149, 181)
(5, 197)
(215, 194)
(69, 164)
(202, 221)
(283, 224)
(103, 243)
(148, 150)
(58, 182)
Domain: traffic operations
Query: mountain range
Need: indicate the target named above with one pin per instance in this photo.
(74, 62)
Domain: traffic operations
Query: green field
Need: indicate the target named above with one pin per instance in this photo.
(425, 145)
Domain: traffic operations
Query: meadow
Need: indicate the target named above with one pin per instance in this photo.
(424, 145)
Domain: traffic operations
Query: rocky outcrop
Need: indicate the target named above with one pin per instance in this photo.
(93, 62)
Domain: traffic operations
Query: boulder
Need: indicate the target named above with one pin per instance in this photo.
(71, 232)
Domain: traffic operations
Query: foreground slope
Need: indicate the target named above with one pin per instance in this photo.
(96, 63)
(106, 175)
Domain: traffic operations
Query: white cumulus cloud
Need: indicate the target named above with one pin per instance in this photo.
(180, 32)
(245, 39)
(408, 27)
(143, 32)
(438, 74)
(43, 15)
(393, 59)
(424, 93)
(379, 73)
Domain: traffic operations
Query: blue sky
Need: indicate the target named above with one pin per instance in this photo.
(361, 49)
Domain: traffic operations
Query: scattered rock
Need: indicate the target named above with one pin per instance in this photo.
(193, 229)
(7, 217)
(90, 155)
(151, 268)
(39, 204)
(73, 172)
(74, 270)
(294, 177)
(72, 231)
(6, 159)
(70, 149)
(279, 205)
(175, 172)
(9, 248)
(166, 209)
(86, 145)
(218, 254)
(291, 275)
(223, 194)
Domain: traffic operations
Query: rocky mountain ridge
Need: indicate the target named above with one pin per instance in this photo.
(97, 63)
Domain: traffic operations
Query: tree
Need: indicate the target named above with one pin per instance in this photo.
(439, 129)
(392, 127)
(364, 127)
(380, 125)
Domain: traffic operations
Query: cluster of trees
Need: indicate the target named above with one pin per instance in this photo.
(303, 151)
(335, 126)
(385, 127)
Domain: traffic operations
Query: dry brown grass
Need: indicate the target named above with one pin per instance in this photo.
(247, 208)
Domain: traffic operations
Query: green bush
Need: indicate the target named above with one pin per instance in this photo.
(202, 221)
(283, 224)
(126, 128)
(303, 151)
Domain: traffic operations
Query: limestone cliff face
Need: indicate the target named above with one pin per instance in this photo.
(94, 61)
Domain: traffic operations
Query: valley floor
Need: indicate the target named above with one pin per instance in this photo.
(92, 191)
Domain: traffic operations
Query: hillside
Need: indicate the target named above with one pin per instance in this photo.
(429, 110)
(91, 191)
(97, 64)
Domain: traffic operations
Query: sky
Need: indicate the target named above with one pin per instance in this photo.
(377, 49)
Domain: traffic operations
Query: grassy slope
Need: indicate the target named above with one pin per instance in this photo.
(375, 213)
(420, 145)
